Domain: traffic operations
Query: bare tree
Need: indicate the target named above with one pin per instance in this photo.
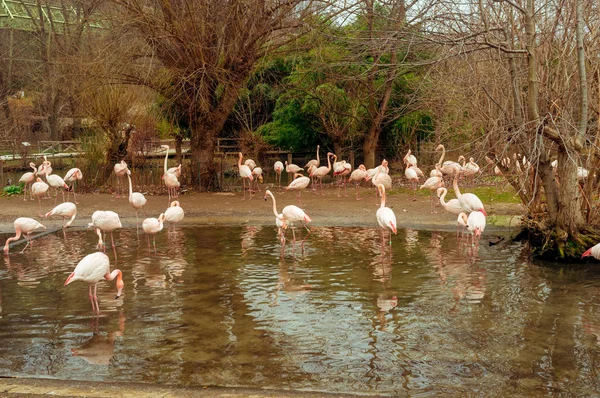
(199, 54)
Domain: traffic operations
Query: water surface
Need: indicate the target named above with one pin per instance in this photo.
(222, 306)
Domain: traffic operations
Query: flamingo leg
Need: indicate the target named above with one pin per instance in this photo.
(154, 242)
(91, 295)
(244, 188)
(345, 187)
(25, 194)
(27, 240)
(96, 298)
(112, 240)
(137, 222)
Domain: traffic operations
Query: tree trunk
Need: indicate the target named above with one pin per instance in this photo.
(337, 149)
(204, 176)
(569, 218)
(369, 147)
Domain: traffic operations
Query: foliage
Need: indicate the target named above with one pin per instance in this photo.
(11, 190)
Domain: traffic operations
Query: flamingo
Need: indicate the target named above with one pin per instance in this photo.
(136, 199)
(476, 224)
(432, 183)
(299, 183)
(451, 206)
(279, 221)
(245, 173)
(120, 171)
(342, 170)
(468, 201)
(382, 177)
(56, 182)
(45, 168)
(175, 171)
(258, 176)
(92, 269)
(152, 226)
(250, 163)
(64, 210)
(23, 225)
(322, 171)
(409, 159)
(436, 172)
(314, 162)
(470, 169)
(28, 178)
(105, 221)
(292, 168)
(278, 167)
(592, 251)
(448, 167)
(291, 214)
(357, 176)
(174, 213)
(411, 175)
(72, 176)
(170, 179)
(39, 188)
(385, 216)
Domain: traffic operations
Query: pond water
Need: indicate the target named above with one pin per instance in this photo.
(223, 306)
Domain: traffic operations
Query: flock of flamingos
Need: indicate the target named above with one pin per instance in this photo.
(96, 266)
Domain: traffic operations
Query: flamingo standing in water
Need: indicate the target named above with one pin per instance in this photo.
(39, 188)
(278, 167)
(170, 179)
(290, 215)
(72, 176)
(468, 201)
(64, 210)
(92, 269)
(136, 199)
(28, 178)
(451, 206)
(461, 224)
(357, 176)
(385, 216)
(152, 226)
(476, 224)
(105, 221)
(120, 171)
(245, 173)
(593, 251)
(23, 225)
(279, 221)
(174, 213)
(299, 183)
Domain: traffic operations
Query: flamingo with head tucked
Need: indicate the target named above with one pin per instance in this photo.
(39, 189)
(299, 183)
(357, 176)
(152, 226)
(136, 199)
(72, 176)
(26, 226)
(92, 269)
(278, 167)
(28, 178)
(174, 213)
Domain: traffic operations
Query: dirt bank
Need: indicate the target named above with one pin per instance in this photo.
(229, 209)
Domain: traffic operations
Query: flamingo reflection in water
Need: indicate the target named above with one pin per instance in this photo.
(289, 282)
(100, 349)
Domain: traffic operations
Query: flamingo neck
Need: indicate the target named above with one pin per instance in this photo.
(166, 157)
(120, 284)
(70, 221)
(130, 187)
(382, 198)
(318, 160)
(274, 205)
(329, 163)
(240, 160)
(16, 237)
(443, 155)
(99, 233)
(443, 197)
(455, 186)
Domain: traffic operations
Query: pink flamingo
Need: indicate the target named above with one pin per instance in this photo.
(152, 226)
(592, 251)
(385, 216)
(39, 188)
(342, 171)
(468, 201)
(322, 171)
(92, 269)
(26, 226)
(245, 173)
(382, 176)
(313, 162)
(120, 171)
(409, 159)
(411, 175)
(56, 182)
(278, 167)
(279, 221)
(136, 199)
(299, 183)
(291, 214)
(28, 178)
(176, 171)
(64, 210)
(461, 224)
(357, 176)
(72, 176)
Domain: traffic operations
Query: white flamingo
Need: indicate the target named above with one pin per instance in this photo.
(105, 221)
(245, 173)
(291, 214)
(468, 201)
(357, 176)
(385, 216)
(170, 179)
(451, 206)
(278, 167)
(64, 210)
(39, 189)
(92, 269)
(26, 226)
(174, 213)
(120, 171)
(314, 162)
(152, 226)
(322, 171)
(136, 199)
(56, 182)
(476, 224)
(72, 176)
(28, 178)
(299, 183)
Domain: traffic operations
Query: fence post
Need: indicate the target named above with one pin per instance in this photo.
(289, 160)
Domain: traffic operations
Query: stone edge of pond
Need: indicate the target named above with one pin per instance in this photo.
(30, 387)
